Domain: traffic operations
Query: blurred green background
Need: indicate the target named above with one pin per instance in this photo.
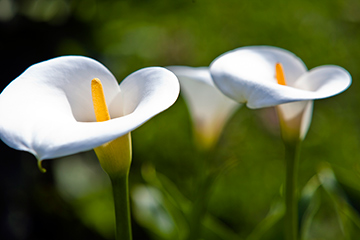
(73, 199)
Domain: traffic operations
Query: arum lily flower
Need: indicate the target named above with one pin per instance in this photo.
(48, 110)
(61, 107)
(209, 108)
(264, 76)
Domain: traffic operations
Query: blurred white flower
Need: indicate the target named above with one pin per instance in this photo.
(209, 108)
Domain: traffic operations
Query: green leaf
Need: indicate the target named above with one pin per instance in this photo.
(178, 208)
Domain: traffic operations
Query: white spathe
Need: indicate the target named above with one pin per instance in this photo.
(48, 109)
(247, 75)
(208, 107)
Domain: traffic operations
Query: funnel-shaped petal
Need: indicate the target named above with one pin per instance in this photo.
(248, 75)
(209, 108)
(48, 110)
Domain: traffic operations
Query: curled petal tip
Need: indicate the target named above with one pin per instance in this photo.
(43, 170)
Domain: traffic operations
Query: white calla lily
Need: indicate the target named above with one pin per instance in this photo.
(209, 108)
(48, 110)
(248, 75)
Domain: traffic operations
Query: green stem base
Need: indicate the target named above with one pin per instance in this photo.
(291, 193)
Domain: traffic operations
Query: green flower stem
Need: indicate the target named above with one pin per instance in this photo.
(115, 158)
(291, 193)
(122, 206)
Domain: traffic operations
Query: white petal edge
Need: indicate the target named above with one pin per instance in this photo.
(325, 81)
(36, 115)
